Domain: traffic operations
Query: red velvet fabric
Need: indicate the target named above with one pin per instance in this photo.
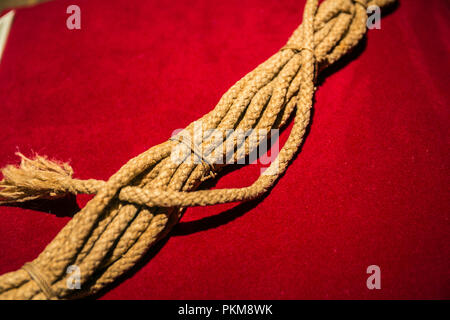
(369, 187)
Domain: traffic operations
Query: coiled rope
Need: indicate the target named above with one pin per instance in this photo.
(140, 203)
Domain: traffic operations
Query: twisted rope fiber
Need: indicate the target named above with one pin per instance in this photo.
(141, 202)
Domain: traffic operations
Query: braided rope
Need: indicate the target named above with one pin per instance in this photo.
(141, 202)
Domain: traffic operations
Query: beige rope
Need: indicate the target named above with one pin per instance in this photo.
(363, 3)
(141, 202)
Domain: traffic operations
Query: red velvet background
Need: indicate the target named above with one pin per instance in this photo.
(370, 185)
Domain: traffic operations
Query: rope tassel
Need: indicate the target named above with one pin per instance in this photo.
(144, 199)
(33, 179)
(40, 178)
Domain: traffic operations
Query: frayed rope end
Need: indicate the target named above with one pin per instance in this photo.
(34, 179)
